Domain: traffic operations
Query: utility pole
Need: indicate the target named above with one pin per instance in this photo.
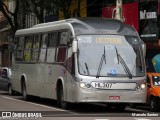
(118, 14)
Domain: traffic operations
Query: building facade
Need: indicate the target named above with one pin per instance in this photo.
(5, 39)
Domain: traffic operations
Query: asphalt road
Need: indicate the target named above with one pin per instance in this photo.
(15, 108)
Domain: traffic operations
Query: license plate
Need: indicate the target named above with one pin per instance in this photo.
(114, 97)
(114, 86)
(102, 85)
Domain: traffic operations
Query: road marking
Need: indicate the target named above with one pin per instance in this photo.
(141, 119)
(136, 110)
(102, 119)
(36, 104)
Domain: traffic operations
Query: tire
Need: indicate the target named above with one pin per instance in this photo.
(10, 91)
(60, 98)
(24, 92)
(153, 105)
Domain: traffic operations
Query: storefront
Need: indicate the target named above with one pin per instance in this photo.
(149, 31)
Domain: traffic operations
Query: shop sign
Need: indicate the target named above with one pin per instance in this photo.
(148, 21)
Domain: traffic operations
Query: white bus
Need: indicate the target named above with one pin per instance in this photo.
(85, 60)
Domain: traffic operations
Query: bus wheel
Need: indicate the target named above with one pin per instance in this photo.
(10, 91)
(153, 105)
(24, 92)
(60, 99)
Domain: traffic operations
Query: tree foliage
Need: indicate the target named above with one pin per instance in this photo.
(10, 16)
(39, 7)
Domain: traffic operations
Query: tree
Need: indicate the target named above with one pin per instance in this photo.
(41, 7)
(65, 7)
(10, 16)
(38, 7)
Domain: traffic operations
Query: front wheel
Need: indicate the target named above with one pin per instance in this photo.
(24, 92)
(60, 98)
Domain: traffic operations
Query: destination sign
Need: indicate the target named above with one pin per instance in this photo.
(108, 40)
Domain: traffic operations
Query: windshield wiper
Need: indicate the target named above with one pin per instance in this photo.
(80, 63)
(87, 68)
(117, 55)
(120, 59)
(103, 58)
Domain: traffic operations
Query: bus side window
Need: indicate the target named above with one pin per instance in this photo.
(61, 48)
(19, 48)
(52, 43)
(35, 49)
(28, 48)
(44, 40)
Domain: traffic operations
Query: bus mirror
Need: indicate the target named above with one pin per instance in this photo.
(74, 46)
(71, 38)
(144, 49)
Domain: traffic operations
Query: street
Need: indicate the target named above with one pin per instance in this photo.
(45, 109)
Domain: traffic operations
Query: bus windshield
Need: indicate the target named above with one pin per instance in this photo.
(110, 55)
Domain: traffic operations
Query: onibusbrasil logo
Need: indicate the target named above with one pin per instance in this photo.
(20, 115)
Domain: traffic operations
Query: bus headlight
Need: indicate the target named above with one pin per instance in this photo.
(85, 85)
(142, 86)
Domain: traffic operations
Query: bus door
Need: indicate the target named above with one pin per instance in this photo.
(65, 56)
(69, 75)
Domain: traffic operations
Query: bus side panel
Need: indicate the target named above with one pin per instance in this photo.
(70, 87)
(35, 78)
(53, 73)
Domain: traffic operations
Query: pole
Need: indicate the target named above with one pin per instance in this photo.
(119, 15)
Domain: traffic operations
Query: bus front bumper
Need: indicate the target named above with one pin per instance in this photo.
(110, 96)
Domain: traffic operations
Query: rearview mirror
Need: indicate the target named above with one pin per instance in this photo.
(144, 49)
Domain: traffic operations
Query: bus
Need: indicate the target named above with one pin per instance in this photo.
(80, 60)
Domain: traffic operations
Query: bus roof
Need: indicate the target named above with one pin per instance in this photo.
(84, 26)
